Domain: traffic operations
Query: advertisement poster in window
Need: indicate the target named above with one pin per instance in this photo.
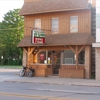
(41, 56)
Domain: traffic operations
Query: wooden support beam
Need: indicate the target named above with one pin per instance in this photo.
(25, 50)
(36, 52)
(28, 57)
(32, 49)
(76, 57)
(81, 49)
(72, 49)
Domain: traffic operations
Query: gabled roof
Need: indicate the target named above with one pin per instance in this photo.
(45, 6)
(61, 39)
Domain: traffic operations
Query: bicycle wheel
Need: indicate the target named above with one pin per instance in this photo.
(21, 73)
(30, 73)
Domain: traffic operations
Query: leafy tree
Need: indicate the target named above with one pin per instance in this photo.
(11, 33)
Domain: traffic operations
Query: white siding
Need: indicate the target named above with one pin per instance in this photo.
(97, 20)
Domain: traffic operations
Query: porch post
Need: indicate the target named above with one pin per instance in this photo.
(28, 57)
(24, 58)
(87, 62)
(29, 52)
(76, 57)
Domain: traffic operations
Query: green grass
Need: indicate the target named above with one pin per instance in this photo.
(11, 66)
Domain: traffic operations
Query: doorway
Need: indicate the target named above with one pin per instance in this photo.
(56, 61)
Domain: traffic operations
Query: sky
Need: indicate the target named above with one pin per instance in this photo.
(6, 5)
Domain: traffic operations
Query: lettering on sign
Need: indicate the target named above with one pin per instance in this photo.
(38, 37)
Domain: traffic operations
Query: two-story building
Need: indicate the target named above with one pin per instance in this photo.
(65, 49)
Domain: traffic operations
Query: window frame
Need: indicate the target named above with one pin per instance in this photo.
(54, 32)
(77, 24)
(35, 24)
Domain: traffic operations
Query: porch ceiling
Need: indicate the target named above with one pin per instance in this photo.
(60, 39)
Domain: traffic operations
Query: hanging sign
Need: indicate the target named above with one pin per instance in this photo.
(38, 37)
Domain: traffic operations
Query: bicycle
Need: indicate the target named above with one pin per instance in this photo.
(27, 72)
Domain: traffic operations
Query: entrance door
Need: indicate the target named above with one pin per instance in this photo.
(56, 62)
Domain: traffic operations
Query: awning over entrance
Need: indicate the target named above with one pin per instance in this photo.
(60, 39)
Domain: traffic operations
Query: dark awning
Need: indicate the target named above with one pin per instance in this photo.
(61, 39)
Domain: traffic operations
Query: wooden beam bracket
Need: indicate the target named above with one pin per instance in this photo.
(81, 49)
(72, 49)
(25, 50)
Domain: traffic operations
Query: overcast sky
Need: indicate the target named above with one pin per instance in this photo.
(6, 5)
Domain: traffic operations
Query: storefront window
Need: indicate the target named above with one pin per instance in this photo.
(49, 59)
(44, 57)
(69, 57)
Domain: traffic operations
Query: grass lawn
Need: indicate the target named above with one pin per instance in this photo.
(11, 66)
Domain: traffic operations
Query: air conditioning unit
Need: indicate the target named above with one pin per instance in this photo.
(68, 60)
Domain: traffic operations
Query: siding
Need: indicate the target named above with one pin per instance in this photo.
(84, 21)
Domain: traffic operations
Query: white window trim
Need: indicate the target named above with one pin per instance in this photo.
(34, 23)
(77, 25)
(58, 25)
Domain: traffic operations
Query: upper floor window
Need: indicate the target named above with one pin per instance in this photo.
(74, 24)
(37, 23)
(55, 25)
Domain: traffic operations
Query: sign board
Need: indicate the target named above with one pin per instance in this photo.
(38, 37)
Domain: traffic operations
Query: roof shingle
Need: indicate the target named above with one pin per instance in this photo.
(44, 6)
(61, 39)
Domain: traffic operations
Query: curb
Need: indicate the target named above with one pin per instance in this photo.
(69, 84)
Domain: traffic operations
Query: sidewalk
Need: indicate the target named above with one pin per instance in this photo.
(56, 80)
(11, 75)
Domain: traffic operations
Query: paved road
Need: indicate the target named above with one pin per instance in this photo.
(6, 74)
(30, 91)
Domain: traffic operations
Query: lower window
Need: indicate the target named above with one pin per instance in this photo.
(69, 57)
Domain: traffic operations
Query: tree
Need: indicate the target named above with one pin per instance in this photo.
(11, 33)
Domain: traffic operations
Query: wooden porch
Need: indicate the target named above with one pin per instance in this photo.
(44, 70)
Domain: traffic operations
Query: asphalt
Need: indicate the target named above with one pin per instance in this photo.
(46, 80)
